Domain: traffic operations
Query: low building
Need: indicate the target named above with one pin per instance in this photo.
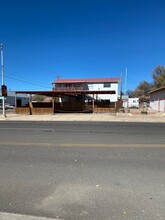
(157, 99)
(22, 99)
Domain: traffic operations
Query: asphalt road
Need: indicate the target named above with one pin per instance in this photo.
(83, 171)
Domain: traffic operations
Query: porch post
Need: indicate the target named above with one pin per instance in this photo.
(29, 98)
(53, 104)
(15, 100)
(93, 103)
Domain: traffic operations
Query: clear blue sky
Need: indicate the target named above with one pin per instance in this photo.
(80, 38)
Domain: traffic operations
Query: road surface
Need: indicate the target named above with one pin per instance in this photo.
(82, 170)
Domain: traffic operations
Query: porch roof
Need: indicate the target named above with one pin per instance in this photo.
(157, 90)
(65, 93)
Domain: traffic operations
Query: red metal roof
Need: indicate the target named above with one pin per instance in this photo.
(87, 80)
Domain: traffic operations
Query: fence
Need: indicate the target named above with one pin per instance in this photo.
(41, 108)
(36, 108)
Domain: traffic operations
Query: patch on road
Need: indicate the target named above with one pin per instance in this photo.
(8, 216)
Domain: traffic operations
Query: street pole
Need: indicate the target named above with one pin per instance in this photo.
(121, 92)
(2, 66)
(125, 81)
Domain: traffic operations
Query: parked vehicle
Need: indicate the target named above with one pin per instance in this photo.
(7, 106)
(1, 107)
(133, 103)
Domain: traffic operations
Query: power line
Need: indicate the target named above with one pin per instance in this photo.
(25, 81)
(24, 78)
(22, 61)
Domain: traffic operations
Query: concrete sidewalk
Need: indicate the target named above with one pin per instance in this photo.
(134, 116)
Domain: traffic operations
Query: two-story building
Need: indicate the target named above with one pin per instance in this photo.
(90, 84)
(78, 95)
(100, 92)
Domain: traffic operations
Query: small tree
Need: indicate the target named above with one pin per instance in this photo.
(142, 89)
(159, 76)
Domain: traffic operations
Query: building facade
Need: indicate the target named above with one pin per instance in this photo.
(90, 84)
(22, 99)
(76, 95)
(157, 99)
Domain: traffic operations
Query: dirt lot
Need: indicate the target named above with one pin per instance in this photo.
(134, 115)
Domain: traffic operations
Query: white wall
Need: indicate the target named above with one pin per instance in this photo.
(158, 105)
(100, 86)
(157, 101)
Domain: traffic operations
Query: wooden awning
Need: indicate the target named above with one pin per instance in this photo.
(65, 93)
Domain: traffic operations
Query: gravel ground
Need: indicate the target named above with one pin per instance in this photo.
(132, 116)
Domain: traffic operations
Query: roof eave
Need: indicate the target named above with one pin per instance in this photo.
(156, 90)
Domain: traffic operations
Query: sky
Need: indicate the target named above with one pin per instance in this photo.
(46, 39)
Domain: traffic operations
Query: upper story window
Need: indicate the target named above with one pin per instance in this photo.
(77, 84)
(107, 85)
(90, 86)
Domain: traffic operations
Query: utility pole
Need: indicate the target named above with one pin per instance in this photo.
(57, 77)
(2, 66)
(121, 92)
(125, 81)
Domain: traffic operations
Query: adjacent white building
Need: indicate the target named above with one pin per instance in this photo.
(130, 102)
(157, 99)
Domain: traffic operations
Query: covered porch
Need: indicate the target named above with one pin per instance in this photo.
(75, 102)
